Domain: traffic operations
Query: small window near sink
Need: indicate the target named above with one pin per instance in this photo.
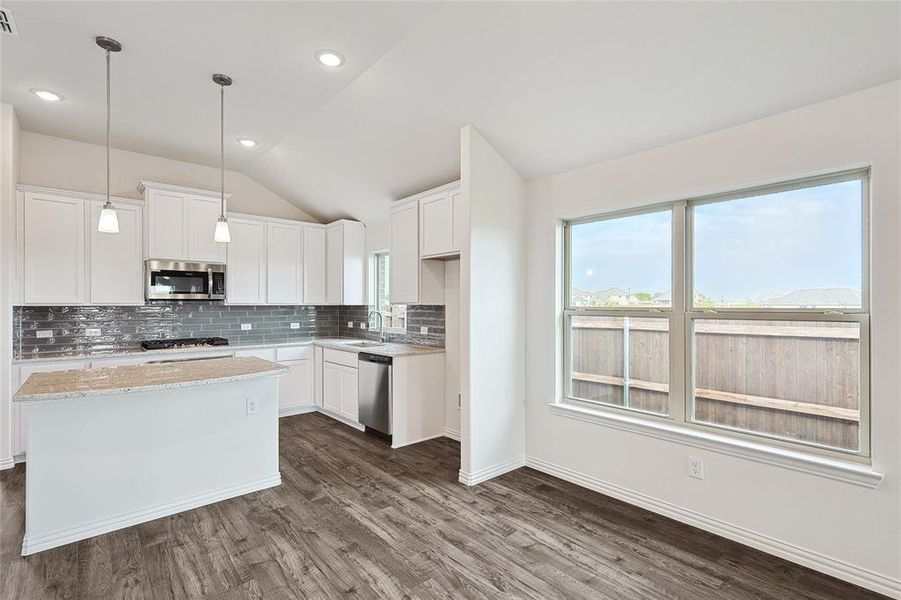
(394, 316)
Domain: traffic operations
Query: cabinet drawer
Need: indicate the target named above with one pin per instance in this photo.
(348, 359)
(293, 353)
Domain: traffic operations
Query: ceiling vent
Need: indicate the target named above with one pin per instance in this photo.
(7, 23)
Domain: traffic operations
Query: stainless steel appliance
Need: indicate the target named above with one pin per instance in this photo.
(183, 343)
(375, 392)
(175, 280)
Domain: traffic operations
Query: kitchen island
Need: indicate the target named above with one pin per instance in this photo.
(113, 447)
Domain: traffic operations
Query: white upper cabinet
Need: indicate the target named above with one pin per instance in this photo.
(201, 217)
(436, 236)
(460, 219)
(442, 219)
(314, 264)
(116, 259)
(53, 248)
(345, 263)
(179, 223)
(412, 280)
(285, 263)
(245, 281)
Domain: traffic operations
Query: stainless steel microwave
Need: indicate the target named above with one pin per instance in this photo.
(174, 280)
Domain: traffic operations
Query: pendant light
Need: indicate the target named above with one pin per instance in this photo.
(109, 222)
(222, 234)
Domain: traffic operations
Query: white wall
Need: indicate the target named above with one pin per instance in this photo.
(9, 168)
(492, 285)
(451, 347)
(850, 531)
(70, 165)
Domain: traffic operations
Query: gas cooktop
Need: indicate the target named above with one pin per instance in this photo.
(183, 343)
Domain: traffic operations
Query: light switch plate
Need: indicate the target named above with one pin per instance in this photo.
(44, 333)
(295, 325)
(424, 330)
(246, 326)
(350, 324)
(362, 325)
(92, 332)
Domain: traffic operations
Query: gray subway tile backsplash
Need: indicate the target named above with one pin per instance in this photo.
(124, 327)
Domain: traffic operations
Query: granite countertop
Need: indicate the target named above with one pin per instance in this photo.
(345, 344)
(78, 383)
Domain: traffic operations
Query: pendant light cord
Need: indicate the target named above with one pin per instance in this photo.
(222, 151)
(107, 126)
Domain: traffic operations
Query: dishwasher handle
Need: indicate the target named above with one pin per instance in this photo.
(375, 358)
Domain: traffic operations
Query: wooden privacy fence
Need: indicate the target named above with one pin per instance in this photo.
(797, 380)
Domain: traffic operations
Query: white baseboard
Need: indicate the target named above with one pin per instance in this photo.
(825, 564)
(290, 411)
(411, 442)
(341, 418)
(7, 463)
(450, 433)
(491, 472)
(19, 458)
(33, 544)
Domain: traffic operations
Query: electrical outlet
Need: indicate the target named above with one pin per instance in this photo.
(424, 330)
(44, 333)
(350, 324)
(92, 332)
(246, 326)
(696, 467)
(253, 406)
(362, 325)
(295, 325)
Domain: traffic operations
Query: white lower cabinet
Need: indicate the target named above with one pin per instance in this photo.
(340, 390)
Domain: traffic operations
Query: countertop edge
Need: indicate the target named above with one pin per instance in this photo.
(24, 399)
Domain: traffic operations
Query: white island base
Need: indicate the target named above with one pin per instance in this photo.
(97, 463)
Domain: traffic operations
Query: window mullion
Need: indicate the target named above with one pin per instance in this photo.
(677, 329)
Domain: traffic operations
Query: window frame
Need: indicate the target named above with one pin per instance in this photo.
(376, 279)
(682, 315)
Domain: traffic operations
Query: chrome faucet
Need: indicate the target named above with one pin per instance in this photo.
(381, 328)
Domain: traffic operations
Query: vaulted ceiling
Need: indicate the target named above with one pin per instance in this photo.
(552, 85)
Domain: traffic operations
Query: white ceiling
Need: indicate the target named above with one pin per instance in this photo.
(552, 85)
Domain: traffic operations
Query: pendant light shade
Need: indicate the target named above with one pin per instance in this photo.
(109, 221)
(222, 234)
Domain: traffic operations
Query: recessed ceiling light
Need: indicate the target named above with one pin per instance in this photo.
(329, 58)
(246, 142)
(47, 95)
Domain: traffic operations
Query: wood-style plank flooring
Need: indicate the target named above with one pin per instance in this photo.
(355, 519)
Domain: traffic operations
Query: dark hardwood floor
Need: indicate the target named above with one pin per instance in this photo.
(354, 518)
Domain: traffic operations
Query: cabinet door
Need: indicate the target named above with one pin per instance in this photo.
(54, 250)
(285, 264)
(19, 412)
(435, 225)
(314, 265)
(202, 214)
(353, 263)
(295, 388)
(116, 272)
(166, 228)
(334, 261)
(331, 387)
(350, 401)
(460, 219)
(404, 253)
(245, 281)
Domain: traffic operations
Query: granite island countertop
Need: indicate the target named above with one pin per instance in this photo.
(345, 344)
(79, 383)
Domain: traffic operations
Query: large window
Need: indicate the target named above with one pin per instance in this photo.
(394, 316)
(745, 312)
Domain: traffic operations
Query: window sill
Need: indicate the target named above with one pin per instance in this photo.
(822, 466)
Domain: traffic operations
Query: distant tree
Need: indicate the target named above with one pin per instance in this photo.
(644, 296)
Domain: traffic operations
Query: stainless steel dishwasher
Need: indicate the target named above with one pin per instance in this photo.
(375, 392)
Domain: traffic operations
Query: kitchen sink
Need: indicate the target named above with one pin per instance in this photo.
(365, 344)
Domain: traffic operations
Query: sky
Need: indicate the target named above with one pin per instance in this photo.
(768, 244)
